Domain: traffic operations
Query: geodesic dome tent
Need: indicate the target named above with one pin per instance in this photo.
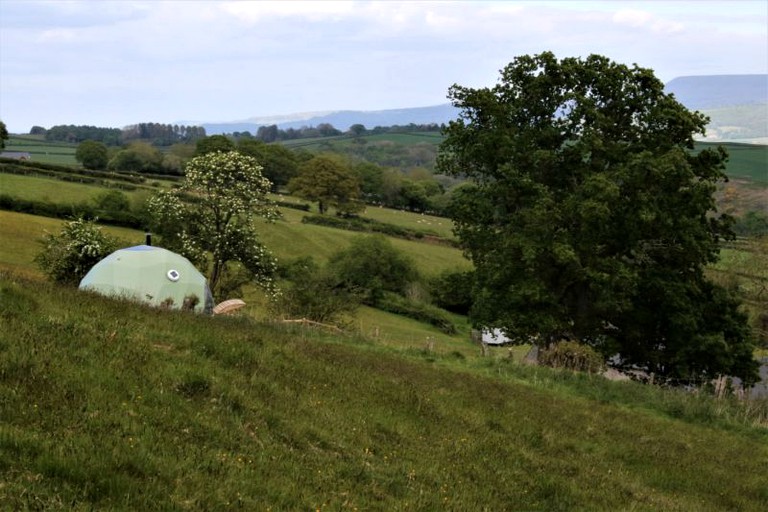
(152, 275)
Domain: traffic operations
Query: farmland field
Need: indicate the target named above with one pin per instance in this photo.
(405, 138)
(21, 234)
(35, 188)
(744, 160)
(60, 153)
(440, 226)
(288, 238)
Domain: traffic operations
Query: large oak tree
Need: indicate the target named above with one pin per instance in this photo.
(590, 218)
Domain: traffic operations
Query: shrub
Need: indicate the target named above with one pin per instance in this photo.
(112, 201)
(314, 294)
(572, 356)
(753, 223)
(68, 256)
(452, 290)
(372, 265)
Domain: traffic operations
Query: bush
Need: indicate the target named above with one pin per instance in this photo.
(112, 201)
(572, 356)
(313, 293)
(753, 223)
(372, 265)
(295, 206)
(68, 256)
(452, 290)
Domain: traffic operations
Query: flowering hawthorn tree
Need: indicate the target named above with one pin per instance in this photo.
(210, 220)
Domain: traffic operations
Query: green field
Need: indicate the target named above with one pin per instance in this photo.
(109, 405)
(407, 139)
(288, 238)
(40, 150)
(748, 161)
(47, 189)
(440, 226)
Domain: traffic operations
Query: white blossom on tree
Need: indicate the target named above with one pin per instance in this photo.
(210, 220)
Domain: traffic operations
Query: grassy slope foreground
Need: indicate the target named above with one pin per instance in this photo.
(110, 405)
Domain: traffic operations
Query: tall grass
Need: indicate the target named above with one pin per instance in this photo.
(109, 405)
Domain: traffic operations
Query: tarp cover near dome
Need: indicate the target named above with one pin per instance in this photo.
(153, 275)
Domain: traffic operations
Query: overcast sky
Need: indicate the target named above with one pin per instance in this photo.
(114, 63)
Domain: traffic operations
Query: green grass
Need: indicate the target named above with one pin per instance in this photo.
(290, 239)
(107, 405)
(21, 233)
(440, 226)
(743, 268)
(47, 189)
(407, 139)
(44, 151)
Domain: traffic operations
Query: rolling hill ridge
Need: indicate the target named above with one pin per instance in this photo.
(736, 104)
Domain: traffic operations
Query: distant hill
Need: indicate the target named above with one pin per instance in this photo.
(342, 119)
(717, 91)
(736, 104)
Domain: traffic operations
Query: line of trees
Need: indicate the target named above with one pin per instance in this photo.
(157, 134)
(272, 133)
(160, 134)
(73, 134)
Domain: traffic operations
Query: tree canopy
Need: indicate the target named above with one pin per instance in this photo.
(280, 163)
(370, 266)
(589, 218)
(330, 182)
(210, 220)
(3, 135)
(92, 154)
(213, 144)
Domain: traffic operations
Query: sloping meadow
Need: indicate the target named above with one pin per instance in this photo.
(110, 405)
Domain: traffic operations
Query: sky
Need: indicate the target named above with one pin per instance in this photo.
(115, 63)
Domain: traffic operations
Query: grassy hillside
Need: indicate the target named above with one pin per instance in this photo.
(405, 138)
(109, 405)
(47, 189)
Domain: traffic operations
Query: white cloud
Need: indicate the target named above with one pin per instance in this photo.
(259, 11)
(644, 19)
(57, 35)
(217, 60)
(632, 17)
